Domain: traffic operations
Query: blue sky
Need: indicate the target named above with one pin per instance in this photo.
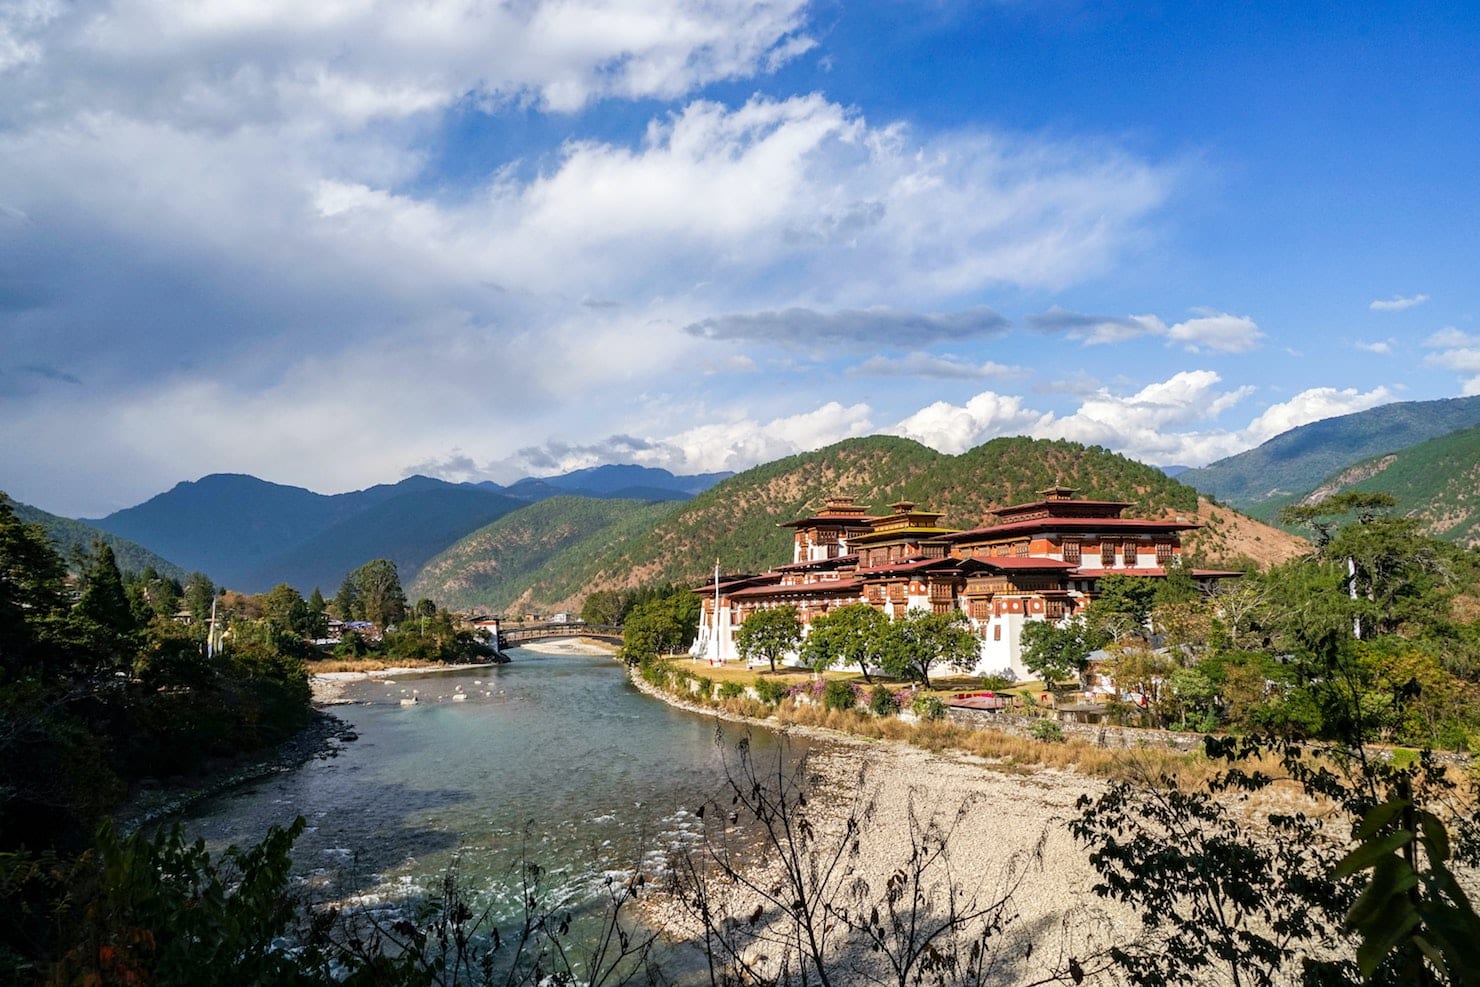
(337, 244)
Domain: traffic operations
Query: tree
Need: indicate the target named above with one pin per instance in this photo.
(287, 609)
(769, 633)
(378, 589)
(199, 592)
(850, 635)
(923, 639)
(347, 604)
(1121, 606)
(1056, 651)
(661, 625)
(318, 616)
(32, 585)
(602, 607)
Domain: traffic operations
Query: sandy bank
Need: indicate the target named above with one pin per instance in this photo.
(570, 646)
(328, 687)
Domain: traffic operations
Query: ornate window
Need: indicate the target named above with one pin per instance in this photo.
(1071, 550)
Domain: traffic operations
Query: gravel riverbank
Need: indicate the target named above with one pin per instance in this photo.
(1006, 836)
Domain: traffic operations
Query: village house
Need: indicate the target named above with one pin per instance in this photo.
(1035, 561)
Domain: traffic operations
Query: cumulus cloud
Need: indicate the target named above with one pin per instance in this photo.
(1217, 331)
(931, 367)
(1170, 421)
(1381, 347)
(212, 63)
(238, 208)
(1457, 351)
(954, 429)
(861, 327)
(1397, 303)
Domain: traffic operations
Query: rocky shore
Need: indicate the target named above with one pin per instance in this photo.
(1006, 837)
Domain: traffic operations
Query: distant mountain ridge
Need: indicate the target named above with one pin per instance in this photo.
(250, 534)
(65, 533)
(1262, 480)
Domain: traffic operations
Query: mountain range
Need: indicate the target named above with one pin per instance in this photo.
(251, 534)
(543, 542)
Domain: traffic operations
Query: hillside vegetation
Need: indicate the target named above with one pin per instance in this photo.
(737, 521)
(67, 534)
(499, 563)
(1262, 480)
(1437, 481)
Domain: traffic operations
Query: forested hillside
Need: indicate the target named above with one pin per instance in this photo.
(67, 534)
(496, 565)
(1262, 480)
(1437, 481)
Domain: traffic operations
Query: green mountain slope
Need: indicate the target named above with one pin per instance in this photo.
(1437, 480)
(498, 565)
(65, 533)
(1264, 479)
(737, 520)
(408, 529)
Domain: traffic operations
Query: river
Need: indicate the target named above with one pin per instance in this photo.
(556, 759)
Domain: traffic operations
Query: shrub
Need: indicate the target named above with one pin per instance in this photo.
(928, 708)
(999, 681)
(731, 690)
(770, 691)
(1046, 730)
(881, 702)
(839, 695)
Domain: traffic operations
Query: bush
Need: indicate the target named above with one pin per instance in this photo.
(999, 681)
(770, 691)
(928, 708)
(839, 695)
(731, 690)
(881, 702)
(1047, 730)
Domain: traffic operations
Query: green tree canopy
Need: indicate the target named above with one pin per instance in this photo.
(1056, 651)
(852, 635)
(923, 639)
(769, 633)
(377, 590)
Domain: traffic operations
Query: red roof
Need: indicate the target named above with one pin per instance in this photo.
(1020, 564)
(816, 564)
(1155, 573)
(913, 565)
(849, 586)
(1071, 524)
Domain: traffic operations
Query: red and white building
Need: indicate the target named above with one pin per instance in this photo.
(1035, 561)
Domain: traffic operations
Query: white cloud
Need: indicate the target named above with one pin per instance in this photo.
(1397, 303)
(1457, 351)
(954, 429)
(1217, 331)
(744, 442)
(1166, 422)
(219, 61)
(1313, 405)
(1383, 347)
(928, 366)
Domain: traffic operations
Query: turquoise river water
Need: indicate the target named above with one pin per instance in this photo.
(552, 758)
